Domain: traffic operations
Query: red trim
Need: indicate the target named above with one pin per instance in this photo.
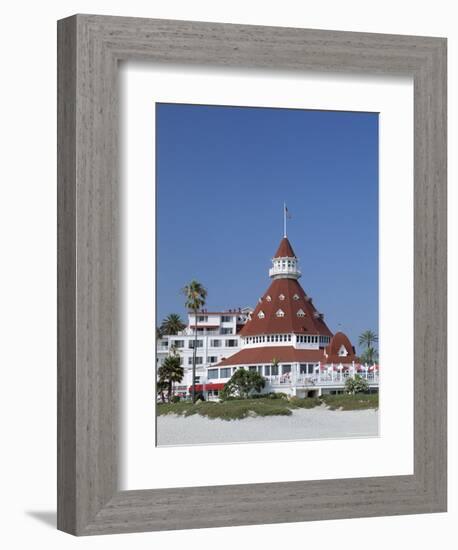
(207, 387)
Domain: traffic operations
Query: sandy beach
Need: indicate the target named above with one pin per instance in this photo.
(317, 423)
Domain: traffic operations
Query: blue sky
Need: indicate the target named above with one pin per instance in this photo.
(223, 174)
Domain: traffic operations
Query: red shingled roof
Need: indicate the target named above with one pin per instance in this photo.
(290, 322)
(283, 354)
(332, 350)
(285, 250)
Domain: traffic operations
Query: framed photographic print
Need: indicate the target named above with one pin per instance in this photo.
(252, 274)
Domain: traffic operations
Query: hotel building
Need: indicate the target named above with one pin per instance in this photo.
(285, 338)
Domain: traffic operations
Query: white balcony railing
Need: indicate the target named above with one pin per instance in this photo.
(319, 379)
(288, 270)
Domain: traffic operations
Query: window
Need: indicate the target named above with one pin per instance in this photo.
(202, 318)
(227, 331)
(301, 313)
(212, 374)
(215, 343)
(267, 370)
(191, 344)
(260, 369)
(280, 313)
(274, 370)
(212, 359)
(282, 297)
(177, 343)
(268, 298)
(342, 351)
(231, 343)
(226, 318)
(199, 360)
(296, 297)
(252, 368)
(261, 315)
(225, 373)
(308, 368)
(286, 369)
(289, 337)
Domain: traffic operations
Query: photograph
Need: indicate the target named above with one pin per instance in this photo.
(267, 274)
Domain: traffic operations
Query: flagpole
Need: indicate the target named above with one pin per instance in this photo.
(284, 220)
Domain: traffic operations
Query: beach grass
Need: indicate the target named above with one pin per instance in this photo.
(348, 402)
(237, 409)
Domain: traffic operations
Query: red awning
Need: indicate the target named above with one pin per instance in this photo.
(207, 387)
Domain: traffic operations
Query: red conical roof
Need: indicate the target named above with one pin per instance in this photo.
(285, 250)
(299, 314)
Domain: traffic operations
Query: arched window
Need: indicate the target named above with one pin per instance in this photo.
(261, 314)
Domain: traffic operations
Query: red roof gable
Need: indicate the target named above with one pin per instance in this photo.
(332, 350)
(285, 250)
(294, 300)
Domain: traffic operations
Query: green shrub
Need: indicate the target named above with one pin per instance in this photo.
(277, 395)
(305, 402)
(358, 384)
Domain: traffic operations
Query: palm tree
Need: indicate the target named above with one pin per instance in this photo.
(172, 324)
(195, 295)
(369, 356)
(367, 339)
(274, 364)
(169, 372)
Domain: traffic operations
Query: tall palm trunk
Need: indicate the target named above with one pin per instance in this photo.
(194, 352)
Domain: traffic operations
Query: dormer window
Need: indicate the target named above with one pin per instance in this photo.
(296, 297)
(280, 313)
(301, 313)
(268, 298)
(282, 297)
(343, 351)
(318, 315)
(261, 315)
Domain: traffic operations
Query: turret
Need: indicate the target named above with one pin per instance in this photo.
(285, 264)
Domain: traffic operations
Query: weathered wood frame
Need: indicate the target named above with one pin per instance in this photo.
(89, 48)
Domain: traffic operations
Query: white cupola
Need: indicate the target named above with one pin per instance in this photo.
(285, 264)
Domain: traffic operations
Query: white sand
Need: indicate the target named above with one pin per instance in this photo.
(317, 423)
